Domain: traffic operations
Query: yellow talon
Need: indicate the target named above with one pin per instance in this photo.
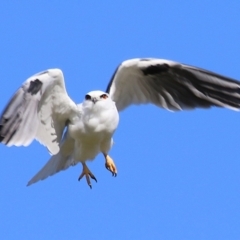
(88, 174)
(110, 166)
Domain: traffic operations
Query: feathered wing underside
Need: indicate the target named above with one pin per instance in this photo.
(171, 85)
(39, 110)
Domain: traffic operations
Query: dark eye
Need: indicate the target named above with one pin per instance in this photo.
(88, 97)
(104, 96)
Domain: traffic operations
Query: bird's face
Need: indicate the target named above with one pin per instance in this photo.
(96, 96)
(97, 99)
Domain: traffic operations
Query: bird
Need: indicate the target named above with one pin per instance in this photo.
(76, 133)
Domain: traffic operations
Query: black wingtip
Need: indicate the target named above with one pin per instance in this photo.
(3, 121)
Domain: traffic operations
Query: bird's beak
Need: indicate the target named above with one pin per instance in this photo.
(94, 100)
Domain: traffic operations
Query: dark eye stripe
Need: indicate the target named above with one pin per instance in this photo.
(104, 96)
(88, 97)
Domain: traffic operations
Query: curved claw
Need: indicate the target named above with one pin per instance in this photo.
(93, 177)
(110, 166)
(87, 173)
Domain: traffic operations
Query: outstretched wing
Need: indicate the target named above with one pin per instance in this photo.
(171, 85)
(38, 110)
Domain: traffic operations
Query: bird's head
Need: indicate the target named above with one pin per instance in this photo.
(97, 98)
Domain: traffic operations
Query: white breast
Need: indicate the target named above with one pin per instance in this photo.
(95, 129)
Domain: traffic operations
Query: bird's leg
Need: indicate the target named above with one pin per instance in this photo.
(110, 166)
(87, 173)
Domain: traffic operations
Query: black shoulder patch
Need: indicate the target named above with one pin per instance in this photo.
(34, 87)
(111, 81)
(155, 69)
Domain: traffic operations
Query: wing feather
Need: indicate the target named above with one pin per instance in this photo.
(171, 85)
(38, 110)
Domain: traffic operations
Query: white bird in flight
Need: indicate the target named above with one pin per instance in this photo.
(41, 109)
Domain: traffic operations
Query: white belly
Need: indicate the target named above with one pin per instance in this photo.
(93, 134)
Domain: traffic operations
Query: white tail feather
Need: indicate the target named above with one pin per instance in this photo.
(61, 161)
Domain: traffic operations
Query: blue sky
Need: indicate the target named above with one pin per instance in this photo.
(179, 173)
